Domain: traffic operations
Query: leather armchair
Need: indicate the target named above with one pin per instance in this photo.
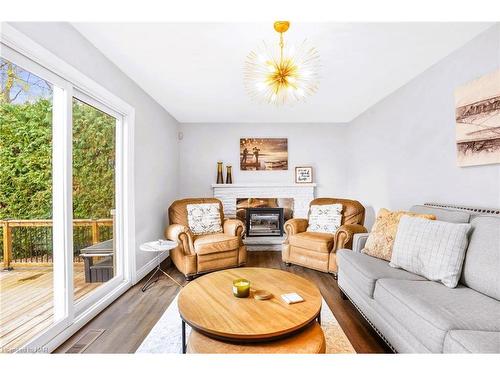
(196, 254)
(318, 250)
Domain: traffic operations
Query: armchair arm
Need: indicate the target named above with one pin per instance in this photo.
(233, 227)
(294, 226)
(344, 235)
(359, 241)
(182, 235)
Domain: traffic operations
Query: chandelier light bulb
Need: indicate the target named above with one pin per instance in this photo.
(281, 73)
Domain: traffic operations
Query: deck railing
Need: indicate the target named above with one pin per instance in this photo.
(30, 241)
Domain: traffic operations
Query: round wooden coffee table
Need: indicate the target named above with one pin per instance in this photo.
(207, 304)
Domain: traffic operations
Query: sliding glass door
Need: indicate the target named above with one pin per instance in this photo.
(95, 253)
(27, 279)
(61, 204)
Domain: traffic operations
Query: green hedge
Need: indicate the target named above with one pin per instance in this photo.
(26, 161)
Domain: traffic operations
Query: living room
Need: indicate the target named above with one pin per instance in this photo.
(299, 185)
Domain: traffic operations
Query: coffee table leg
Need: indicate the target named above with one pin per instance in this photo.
(183, 337)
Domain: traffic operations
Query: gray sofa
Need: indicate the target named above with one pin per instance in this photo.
(415, 315)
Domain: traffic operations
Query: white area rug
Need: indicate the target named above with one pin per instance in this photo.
(165, 337)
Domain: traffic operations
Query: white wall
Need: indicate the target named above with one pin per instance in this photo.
(156, 154)
(321, 146)
(403, 148)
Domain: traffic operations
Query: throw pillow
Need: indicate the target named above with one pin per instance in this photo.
(381, 239)
(204, 218)
(433, 249)
(325, 218)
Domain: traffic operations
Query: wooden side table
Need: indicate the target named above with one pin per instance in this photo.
(158, 247)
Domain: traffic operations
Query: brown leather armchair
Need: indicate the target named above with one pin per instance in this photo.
(198, 254)
(318, 250)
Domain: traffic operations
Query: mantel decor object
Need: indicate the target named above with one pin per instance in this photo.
(303, 175)
(220, 177)
(229, 174)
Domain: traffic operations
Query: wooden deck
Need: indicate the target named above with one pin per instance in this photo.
(26, 301)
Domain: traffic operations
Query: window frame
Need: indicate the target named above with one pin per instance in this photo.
(68, 82)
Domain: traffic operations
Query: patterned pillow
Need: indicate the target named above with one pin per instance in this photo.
(433, 249)
(381, 239)
(325, 218)
(204, 218)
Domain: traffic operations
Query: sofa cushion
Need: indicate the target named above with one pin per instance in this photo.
(322, 242)
(325, 218)
(481, 270)
(215, 243)
(364, 270)
(381, 239)
(442, 214)
(204, 218)
(472, 342)
(433, 249)
(177, 212)
(430, 309)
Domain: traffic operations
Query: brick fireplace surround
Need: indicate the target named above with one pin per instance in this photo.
(302, 195)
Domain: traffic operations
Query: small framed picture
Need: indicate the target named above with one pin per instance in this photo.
(303, 175)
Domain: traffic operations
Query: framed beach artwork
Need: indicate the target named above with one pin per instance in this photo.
(267, 154)
(477, 115)
(303, 175)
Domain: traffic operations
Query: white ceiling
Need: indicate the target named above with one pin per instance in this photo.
(195, 70)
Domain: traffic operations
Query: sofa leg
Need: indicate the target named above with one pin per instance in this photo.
(189, 278)
(343, 295)
(288, 264)
(335, 276)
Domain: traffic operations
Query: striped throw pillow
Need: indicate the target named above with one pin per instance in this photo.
(430, 248)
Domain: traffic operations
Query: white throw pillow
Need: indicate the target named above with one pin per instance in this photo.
(430, 248)
(325, 218)
(204, 218)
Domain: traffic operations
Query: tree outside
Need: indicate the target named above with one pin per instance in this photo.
(26, 156)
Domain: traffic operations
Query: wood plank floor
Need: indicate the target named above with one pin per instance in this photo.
(129, 319)
(26, 301)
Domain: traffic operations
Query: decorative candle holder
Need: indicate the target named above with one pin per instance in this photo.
(220, 177)
(229, 174)
(241, 288)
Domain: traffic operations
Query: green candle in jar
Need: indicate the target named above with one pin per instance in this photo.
(241, 288)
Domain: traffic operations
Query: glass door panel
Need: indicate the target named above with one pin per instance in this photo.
(26, 211)
(94, 155)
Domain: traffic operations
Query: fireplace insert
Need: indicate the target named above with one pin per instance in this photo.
(264, 221)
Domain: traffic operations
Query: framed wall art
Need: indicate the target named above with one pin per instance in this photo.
(303, 175)
(270, 154)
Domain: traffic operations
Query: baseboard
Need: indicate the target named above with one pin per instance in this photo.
(148, 267)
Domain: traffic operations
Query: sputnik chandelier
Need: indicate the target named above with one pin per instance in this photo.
(282, 73)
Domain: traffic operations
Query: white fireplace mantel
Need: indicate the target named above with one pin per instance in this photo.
(302, 195)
